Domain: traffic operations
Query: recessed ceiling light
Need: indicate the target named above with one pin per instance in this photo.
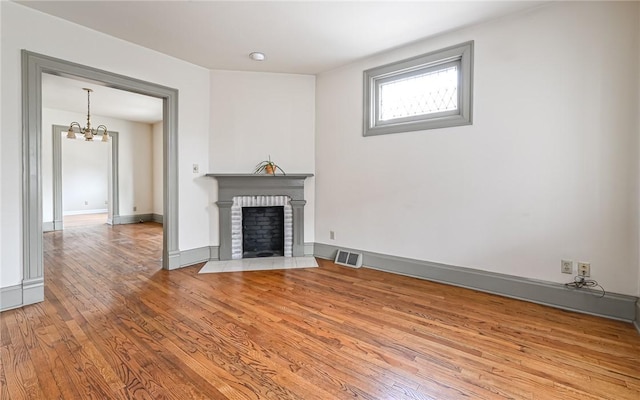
(257, 56)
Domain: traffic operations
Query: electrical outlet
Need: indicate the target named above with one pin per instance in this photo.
(86, 203)
(135, 208)
(196, 169)
(332, 235)
(566, 266)
(584, 269)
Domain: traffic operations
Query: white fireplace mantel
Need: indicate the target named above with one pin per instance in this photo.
(233, 185)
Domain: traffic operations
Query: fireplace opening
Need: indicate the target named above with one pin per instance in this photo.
(262, 231)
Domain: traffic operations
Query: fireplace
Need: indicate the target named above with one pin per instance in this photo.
(268, 225)
(236, 191)
(262, 232)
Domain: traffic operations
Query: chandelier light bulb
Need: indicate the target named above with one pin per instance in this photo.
(88, 132)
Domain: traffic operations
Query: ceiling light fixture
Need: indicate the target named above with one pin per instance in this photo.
(87, 131)
(257, 56)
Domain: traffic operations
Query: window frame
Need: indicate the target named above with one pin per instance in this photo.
(460, 55)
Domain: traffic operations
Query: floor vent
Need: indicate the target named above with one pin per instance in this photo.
(349, 259)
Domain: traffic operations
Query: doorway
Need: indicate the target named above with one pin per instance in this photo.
(33, 66)
(73, 204)
(85, 181)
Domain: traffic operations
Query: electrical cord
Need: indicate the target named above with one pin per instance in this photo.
(580, 282)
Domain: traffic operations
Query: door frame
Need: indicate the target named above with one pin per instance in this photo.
(114, 195)
(33, 66)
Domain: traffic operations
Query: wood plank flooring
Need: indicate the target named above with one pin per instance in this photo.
(116, 326)
(72, 221)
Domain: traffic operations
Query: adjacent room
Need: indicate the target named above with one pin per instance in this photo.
(320, 200)
(85, 186)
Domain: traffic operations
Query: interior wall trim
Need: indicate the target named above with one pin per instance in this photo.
(195, 256)
(10, 297)
(612, 305)
(308, 248)
(214, 253)
(133, 219)
(48, 226)
(33, 66)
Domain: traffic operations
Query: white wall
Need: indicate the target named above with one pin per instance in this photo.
(135, 163)
(135, 183)
(85, 176)
(254, 115)
(24, 28)
(548, 170)
(157, 171)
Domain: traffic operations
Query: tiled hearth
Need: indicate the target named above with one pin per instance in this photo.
(259, 264)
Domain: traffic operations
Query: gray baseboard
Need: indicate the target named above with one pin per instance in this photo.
(174, 260)
(308, 249)
(10, 297)
(29, 292)
(50, 226)
(157, 218)
(32, 291)
(186, 258)
(132, 219)
(47, 226)
(195, 256)
(214, 254)
(612, 305)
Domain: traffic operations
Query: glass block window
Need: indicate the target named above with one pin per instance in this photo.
(425, 92)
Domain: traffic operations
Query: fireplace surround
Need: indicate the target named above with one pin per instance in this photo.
(241, 203)
(232, 186)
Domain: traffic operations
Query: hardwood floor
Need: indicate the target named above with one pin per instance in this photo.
(116, 326)
(72, 221)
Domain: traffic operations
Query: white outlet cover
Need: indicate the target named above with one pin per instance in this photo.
(566, 266)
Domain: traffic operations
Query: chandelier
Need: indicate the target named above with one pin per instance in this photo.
(87, 131)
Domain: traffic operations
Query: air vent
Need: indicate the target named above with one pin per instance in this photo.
(349, 259)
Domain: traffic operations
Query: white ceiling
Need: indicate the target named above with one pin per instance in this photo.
(66, 94)
(306, 37)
